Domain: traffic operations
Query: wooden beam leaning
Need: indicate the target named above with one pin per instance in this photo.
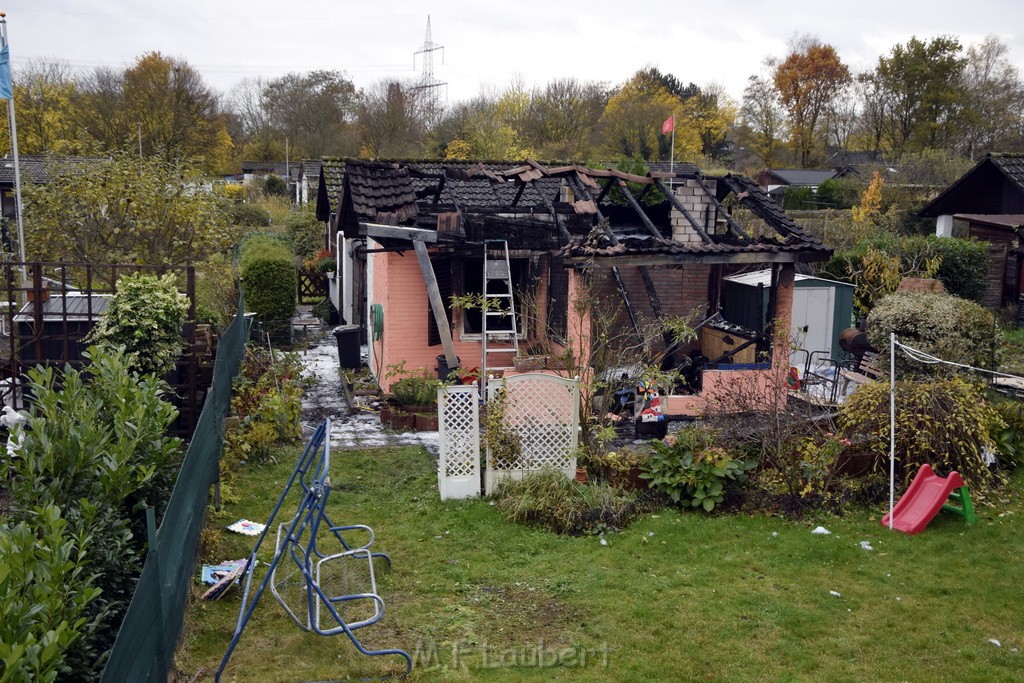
(397, 232)
(678, 206)
(644, 218)
(436, 303)
(562, 230)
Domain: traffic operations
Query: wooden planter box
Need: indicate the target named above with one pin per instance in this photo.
(530, 363)
(403, 421)
(426, 422)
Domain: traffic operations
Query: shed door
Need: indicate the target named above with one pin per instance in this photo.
(812, 320)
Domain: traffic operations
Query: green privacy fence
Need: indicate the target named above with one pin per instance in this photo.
(149, 632)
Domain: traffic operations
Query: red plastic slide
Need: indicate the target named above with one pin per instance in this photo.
(923, 500)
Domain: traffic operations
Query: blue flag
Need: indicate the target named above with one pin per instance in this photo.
(6, 87)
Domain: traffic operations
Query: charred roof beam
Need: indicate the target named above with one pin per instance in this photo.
(734, 227)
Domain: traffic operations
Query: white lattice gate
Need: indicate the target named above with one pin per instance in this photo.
(543, 412)
(458, 465)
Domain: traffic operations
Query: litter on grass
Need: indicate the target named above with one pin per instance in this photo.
(821, 530)
(217, 591)
(995, 642)
(212, 573)
(247, 528)
(835, 594)
(865, 545)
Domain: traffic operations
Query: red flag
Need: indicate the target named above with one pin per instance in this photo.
(669, 125)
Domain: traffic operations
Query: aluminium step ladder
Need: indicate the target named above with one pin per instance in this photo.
(500, 337)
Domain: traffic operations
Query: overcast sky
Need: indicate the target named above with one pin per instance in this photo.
(488, 44)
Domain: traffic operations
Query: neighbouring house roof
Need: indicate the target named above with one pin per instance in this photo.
(34, 166)
(797, 176)
(265, 167)
(1011, 221)
(994, 186)
(565, 209)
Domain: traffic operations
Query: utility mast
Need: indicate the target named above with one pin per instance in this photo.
(429, 87)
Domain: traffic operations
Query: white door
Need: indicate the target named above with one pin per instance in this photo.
(812, 321)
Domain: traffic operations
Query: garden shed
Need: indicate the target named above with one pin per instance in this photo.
(822, 309)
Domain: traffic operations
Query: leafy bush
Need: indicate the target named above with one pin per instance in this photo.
(266, 398)
(797, 198)
(269, 279)
(419, 390)
(216, 296)
(943, 422)
(95, 445)
(249, 215)
(690, 470)
(44, 593)
(838, 193)
(275, 186)
(552, 500)
(959, 261)
(145, 318)
(1008, 431)
(945, 326)
(305, 232)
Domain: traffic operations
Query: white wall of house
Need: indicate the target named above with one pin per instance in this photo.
(944, 226)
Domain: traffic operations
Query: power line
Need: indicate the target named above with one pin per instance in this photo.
(428, 84)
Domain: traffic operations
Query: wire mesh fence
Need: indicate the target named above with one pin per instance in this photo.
(145, 643)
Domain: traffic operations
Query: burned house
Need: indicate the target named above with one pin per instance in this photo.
(413, 234)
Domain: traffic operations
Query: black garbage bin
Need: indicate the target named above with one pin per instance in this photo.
(348, 346)
(442, 367)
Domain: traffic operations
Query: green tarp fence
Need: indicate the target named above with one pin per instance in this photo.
(145, 644)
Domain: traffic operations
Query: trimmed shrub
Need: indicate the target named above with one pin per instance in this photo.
(248, 215)
(798, 198)
(216, 295)
(945, 326)
(305, 232)
(269, 279)
(942, 422)
(145, 318)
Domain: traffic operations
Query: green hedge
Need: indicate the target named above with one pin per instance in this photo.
(269, 279)
(962, 270)
(249, 215)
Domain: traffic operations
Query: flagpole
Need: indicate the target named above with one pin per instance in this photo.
(672, 153)
(14, 153)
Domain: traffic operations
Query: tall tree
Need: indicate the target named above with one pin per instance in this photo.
(561, 119)
(44, 94)
(632, 121)
(763, 119)
(808, 81)
(995, 99)
(392, 120)
(315, 110)
(159, 101)
(921, 89)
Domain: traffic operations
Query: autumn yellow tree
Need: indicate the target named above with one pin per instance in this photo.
(632, 121)
(808, 80)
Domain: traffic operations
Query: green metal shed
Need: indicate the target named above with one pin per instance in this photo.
(822, 308)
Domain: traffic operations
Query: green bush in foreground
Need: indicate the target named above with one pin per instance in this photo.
(942, 422)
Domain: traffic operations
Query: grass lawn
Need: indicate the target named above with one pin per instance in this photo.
(677, 596)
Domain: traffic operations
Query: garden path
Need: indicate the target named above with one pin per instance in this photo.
(323, 399)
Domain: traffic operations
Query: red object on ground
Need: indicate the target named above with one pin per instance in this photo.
(923, 500)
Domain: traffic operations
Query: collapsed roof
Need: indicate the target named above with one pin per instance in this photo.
(587, 215)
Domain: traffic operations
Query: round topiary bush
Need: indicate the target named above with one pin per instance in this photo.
(269, 280)
(942, 325)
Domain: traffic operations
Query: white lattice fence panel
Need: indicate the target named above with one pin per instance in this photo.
(458, 465)
(543, 412)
